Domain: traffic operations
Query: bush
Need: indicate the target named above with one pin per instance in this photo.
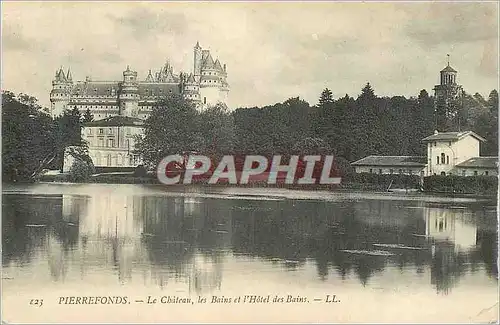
(461, 184)
(140, 171)
(80, 171)
(382, 181)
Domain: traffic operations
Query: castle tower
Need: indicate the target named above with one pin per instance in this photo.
(213, 81)
(447, 99)
(197, 61)
(61, 91)
(191, 89)
(129, 94)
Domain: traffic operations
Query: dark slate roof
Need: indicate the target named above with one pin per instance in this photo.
(117, 121)
(158, 89)
(95, 88)
(448, 69)
(479, 162)
(416, 161)
(104, 88)
(451, 136)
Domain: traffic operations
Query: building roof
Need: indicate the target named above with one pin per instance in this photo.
(451, 136)
(479, 162)
(208, 63)
(416, 161)
(116, 121)
(83, 88)
(218, 66)
(158, 89)
(448, 69)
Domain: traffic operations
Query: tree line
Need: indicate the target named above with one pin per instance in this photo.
(348, 127)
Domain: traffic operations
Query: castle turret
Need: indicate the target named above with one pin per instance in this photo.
(213, 84)
(191, 89)
(60, 94)
(129, 94)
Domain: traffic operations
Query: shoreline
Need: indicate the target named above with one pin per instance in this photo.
(234, 192)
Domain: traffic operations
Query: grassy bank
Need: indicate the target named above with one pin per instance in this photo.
(452, 185)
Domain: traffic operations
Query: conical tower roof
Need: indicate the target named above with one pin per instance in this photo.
(209, 62)
(191, 78)
(218, 66)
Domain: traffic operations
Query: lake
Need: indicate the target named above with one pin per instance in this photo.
(303, 256)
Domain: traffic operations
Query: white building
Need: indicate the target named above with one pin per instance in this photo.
(448, 153)
(445, 150)
(111, 142)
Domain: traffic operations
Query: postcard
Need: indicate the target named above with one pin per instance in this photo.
(249, 162)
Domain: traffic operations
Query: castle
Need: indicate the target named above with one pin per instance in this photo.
(119, 108)
(205, 86)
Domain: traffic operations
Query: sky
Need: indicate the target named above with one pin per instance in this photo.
(273, 50)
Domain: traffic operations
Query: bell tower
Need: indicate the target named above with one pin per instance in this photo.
(447, 98)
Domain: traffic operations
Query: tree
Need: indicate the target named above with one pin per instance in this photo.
(217, 130)
(28, 137)
(87, 116)
(368, 131)
(321, 116)
(173, 127)
(81, 170)
(312, 146)
(326, 98)
(421, 122)
(69, 126)
(493, 101)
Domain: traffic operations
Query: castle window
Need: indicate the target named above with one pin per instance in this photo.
(463, 172)
(204, 100)
(437, 160)
(442, 158)
(371, 170)
(110, 131)
(101, 131)
(486, 173)
(475, 173)
(380, 171)
(449, 143)
(447, 160)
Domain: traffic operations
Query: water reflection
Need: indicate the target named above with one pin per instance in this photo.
(160, 240)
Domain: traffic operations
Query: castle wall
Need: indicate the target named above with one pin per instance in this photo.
(209, 96)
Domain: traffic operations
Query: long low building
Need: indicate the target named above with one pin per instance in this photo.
(477, 166)
(408, 165)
